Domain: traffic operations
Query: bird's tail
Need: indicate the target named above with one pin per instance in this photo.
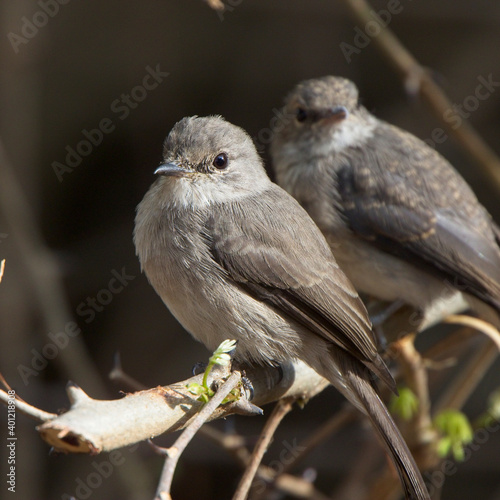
(358, 387)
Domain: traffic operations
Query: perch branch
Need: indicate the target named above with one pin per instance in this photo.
(93, 426)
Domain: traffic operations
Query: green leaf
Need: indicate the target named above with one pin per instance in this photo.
(406, 405)
(219, 357)
(492, 414)
(456, 431)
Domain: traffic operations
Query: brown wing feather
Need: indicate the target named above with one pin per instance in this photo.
(410, 202)
(292, 268)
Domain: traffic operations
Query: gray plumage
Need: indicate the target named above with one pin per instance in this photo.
(403, 223)
(233, 256)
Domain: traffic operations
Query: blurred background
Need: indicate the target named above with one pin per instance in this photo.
(88, 93)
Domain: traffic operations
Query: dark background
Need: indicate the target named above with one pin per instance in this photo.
(238, 64)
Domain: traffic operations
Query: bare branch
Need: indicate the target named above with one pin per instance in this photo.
(93, 426)
(469, 377)
(331, 426)
(280, 410)
(478, 324)
(175, 451)
(117, 374)
(27, 409)
(44, 272)
(416, 77)
(415, 375)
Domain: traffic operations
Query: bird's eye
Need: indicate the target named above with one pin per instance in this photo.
(220, 161)
(301, 115)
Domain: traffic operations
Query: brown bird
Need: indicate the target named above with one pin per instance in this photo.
(233, 256)
(402, 222)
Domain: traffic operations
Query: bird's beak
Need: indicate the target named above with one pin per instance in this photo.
(173, 169)
(333, 115)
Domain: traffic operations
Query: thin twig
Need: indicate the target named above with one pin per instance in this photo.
(281, 480)
(175, 451)
(318, 437)
(468, 379)
(280, 410)
(412, 72)
(118, 375)
(478, 324)
(43, 270)
(27, 409)
(444, 352)
(234, 444)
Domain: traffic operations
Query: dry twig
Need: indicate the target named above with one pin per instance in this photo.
(415, 75)
(283, 406)
(93, 426)
(175, 451)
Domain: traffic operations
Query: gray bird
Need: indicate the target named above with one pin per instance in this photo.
(403, 223)
(233, 256)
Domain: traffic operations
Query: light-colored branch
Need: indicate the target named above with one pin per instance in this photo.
(93, 426)
(175, 451)
(27, 409)
(416, 77)
(415, 375)
(478, 324)
(281, 409)
(215, 4)
(298, 487)
(420, 433)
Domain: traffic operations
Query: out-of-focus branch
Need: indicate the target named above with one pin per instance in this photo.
(282, 408)
(469, 378)
(215, 4)
(478, 324)
(43, 270)
(415, 375)
(235, 445)
(415, 76)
